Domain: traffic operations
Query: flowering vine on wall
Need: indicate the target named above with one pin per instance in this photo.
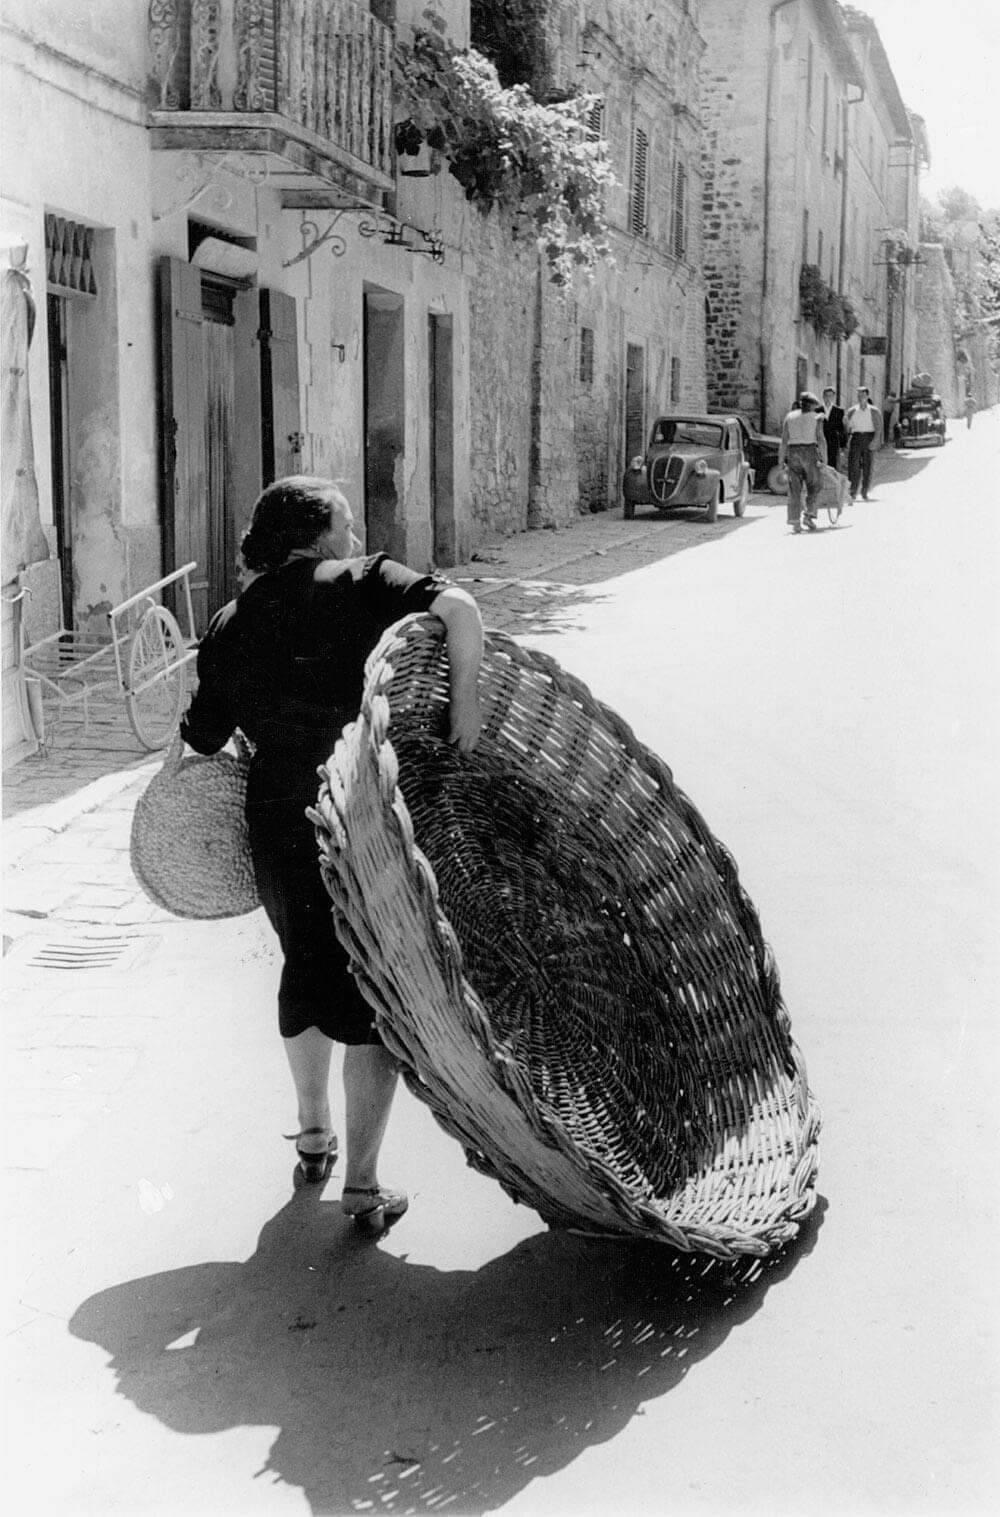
(830, 313)
(506, 149)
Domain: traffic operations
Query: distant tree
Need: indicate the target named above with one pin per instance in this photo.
(958, 205)
(971, 239)
(931, 221)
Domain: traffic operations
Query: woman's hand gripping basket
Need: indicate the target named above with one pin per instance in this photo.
(562, 957)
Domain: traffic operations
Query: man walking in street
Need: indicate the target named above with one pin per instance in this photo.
(833, 427)
(802, 449)
(864, 428)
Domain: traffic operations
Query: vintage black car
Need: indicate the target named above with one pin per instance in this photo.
(690, 461)
(762, 453)
(921, 416)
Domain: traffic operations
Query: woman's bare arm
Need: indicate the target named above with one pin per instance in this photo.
(464, 633)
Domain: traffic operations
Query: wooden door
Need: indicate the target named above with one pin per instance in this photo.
(183, 498)
(281, 437)
(385, 423)
(440, 330)
(220, 428)
(59, 438)
(635, 402)
(210, 427)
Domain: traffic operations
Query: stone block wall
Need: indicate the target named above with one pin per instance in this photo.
(733, 99)
(503, 314)
(935, 311)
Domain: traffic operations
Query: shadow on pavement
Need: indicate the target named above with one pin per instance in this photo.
(893, 465)
(405, 1388)
(551, 603)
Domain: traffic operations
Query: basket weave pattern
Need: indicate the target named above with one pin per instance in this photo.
(190, 849)
(562, 957)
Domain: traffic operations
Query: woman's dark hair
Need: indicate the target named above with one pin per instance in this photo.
(292, 513)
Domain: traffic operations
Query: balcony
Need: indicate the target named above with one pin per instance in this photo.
(304, 85)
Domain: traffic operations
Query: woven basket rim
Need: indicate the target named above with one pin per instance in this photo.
(372, 736)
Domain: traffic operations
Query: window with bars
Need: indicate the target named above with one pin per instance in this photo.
(69, 254)
(595, 121)
(586, 355)
(678, 212)
(637, 200)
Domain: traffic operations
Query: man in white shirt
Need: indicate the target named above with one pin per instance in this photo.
(864, 431)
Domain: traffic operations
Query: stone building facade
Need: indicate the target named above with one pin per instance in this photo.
(935, 326)
(562, 388)
(802, 126)
(258, 219)
(233, 282)
(886, 148)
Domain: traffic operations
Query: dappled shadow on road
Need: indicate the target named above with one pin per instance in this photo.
(553, 601)
(409, 1389)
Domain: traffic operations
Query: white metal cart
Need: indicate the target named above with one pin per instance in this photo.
(144, 661)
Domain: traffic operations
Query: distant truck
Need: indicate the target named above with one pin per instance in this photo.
(921, 420)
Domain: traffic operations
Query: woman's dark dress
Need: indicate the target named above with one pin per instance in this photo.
(284, 663)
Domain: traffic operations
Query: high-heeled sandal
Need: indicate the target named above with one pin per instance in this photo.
(314, 1165)
(379, 1209)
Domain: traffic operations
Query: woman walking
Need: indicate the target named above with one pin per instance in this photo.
(284, 663)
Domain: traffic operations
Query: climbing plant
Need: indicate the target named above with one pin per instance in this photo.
(535, 162)
(511, 35)
(831, 314)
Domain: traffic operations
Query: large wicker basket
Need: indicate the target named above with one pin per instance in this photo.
(561, 955)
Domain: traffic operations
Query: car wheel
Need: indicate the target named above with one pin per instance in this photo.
(712, 512)
(777, 479)
(741, 498)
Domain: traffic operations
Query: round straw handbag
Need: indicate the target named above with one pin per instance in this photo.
(561, 956)
(189, 846)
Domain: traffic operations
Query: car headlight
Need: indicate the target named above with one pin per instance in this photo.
(638, 462)
(701, 468)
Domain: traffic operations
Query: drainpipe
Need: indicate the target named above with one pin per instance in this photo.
(841, 252)
(772, 22)
(904, 284)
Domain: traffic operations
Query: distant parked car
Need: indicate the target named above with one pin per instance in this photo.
(921, 416)
(690, 461)
(762, 451)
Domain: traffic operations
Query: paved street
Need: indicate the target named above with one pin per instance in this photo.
(187, 1336)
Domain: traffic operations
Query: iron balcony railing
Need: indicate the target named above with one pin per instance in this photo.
(321, 65)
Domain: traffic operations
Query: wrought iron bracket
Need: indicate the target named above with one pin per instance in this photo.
(373, 223)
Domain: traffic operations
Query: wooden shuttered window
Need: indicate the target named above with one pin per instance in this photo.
(678, 211)
(595, 121)
(637, 218)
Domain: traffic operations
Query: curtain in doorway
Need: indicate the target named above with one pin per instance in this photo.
(23, 541)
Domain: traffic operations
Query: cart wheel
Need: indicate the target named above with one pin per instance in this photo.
(156, 678)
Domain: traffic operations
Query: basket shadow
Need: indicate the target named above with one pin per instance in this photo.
(410, 1388)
